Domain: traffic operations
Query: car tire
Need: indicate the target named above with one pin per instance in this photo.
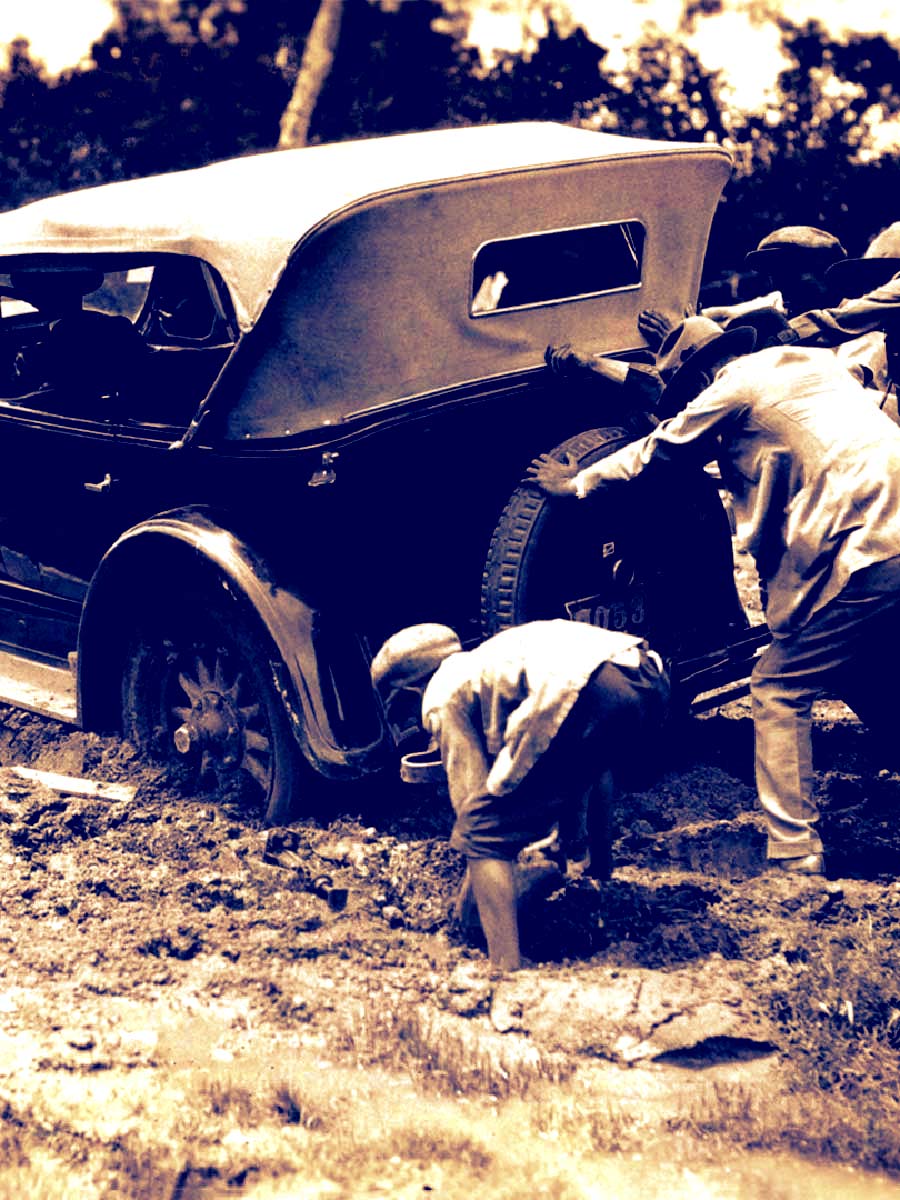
(551, 557)
(198, 693)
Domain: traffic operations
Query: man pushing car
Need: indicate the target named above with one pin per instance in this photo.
(813, 468)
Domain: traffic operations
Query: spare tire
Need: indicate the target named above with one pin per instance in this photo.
(553, 557)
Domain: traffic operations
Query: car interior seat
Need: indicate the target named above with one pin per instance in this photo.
(89, 351)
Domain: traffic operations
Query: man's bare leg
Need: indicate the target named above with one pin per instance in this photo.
(465, 909)
(599, 829)
(494, 884)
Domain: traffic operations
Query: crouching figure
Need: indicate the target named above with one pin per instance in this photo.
(532, 726)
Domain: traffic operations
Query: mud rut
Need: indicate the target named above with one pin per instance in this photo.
(688, 857)
(141, 939)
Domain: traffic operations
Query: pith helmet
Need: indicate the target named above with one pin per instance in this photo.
(696, 348)
(881, 261)
(410, 656)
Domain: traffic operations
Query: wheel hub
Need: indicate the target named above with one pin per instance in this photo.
(212, 725)
(219, 724)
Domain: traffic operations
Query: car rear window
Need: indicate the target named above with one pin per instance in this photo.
(556, 265)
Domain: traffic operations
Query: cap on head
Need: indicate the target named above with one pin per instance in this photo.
(410, 656)
(700, 340)
(804, 245)
(881, 261)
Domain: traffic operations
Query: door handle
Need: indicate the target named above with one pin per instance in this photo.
(326, 472)
(103, 485)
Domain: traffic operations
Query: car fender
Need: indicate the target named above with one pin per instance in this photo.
(187, 540)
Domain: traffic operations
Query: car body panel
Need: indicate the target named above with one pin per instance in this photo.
(323, 349)
(167, 542)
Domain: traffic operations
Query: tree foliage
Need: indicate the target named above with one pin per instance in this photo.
(187, 82)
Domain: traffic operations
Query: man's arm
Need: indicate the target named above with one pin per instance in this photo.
(641, 384)
(562, 477)
(688, 436)
(831, 326)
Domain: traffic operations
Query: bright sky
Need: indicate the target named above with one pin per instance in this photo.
(740, 43)
(60, 31)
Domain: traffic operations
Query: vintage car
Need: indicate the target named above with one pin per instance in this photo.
(257, 416)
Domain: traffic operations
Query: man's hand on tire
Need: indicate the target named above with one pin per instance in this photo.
(554, 476)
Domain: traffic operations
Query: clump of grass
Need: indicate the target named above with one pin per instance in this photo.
(12, 1150)
(840, 1014)
(435, 1144)
(596, 1124)
(445, 1056)
(809, 1122)
(256, 1101)
(293, 1108)
(224, 1098)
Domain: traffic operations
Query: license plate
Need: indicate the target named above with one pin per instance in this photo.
(592, 610)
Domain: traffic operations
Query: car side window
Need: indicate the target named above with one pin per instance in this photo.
(140, 342)
(187, 324)
(21, 327)
(556, 265)
(66, 340)
(185, 305)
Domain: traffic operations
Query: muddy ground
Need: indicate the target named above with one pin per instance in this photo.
(146, 937)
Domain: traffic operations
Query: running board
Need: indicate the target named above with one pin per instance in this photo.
(715, 699)
(38, 687)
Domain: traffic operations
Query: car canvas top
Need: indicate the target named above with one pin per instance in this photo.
(245, 216)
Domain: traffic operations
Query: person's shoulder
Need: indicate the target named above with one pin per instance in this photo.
(581, 636)
(452, 678)
(774, 358)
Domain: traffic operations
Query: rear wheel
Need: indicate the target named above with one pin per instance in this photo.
(567, 558)
(199, 692)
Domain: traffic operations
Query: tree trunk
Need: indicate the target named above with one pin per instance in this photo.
(318, 55)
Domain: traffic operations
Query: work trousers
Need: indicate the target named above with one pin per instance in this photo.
(849, 650)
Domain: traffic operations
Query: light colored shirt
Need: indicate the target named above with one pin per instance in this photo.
(822, 327)
(825, 327)
(812, 465)
(856, 327)
(494, 710)
(868, 351)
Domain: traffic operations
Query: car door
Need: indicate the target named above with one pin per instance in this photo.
(59, 414)
(57, 516)
(188, 331)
